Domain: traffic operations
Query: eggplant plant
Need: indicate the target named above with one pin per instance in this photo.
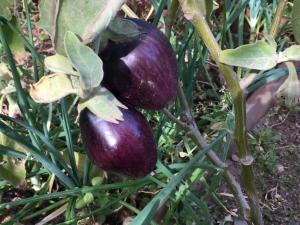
(108, 67)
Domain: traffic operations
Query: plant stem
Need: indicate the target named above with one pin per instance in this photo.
(276, 20)
(193, 13)
(193, 129)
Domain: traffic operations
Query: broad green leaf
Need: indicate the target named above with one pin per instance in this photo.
(290, 53)
(296, 20)
(102, 19)
(85, 18)
(12, 169)
(51, 88)
(103, 104)
(259, 56)
(85, 60)
(59, 64)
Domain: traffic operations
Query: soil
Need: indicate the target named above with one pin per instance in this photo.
(280, 188)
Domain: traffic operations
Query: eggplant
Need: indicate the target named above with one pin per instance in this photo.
(143, 71)
(127, 148)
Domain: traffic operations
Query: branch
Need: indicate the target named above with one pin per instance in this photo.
(213, 157)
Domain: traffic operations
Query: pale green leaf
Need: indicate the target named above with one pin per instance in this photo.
(290, 53)
(259, 56)
(103, 104)
(59, 64)
(108, 11)
(296, 20)
(51, 88)
(85, 60)
(48, 13)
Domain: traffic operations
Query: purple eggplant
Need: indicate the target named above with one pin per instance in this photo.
(127, 148)
(141, 72)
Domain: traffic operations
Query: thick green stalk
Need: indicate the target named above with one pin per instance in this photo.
(193, 13)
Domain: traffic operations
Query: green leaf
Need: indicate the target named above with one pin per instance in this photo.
(122, 30)
(59, 64)
(289, 54)
(259, 56)
(103, 104)
(296, 20)
(85, 60)
(51, 88)
(48, 13)
(85, 18)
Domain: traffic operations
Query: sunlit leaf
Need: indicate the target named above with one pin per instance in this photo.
(51, 88)
(290, 53)
(259, 56)
(85, 60)
(59, 64)
(103, 104)
(85, 18)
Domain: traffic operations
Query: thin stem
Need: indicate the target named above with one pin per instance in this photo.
(276, 20)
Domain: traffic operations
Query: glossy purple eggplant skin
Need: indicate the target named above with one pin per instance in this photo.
(142, 72)
(127, 148)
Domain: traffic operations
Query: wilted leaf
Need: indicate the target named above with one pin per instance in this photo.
(51, 88)
(259, 56)
(291, 53)
(296, 20)
(103, 104)
(85, 60)
(59, 64)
